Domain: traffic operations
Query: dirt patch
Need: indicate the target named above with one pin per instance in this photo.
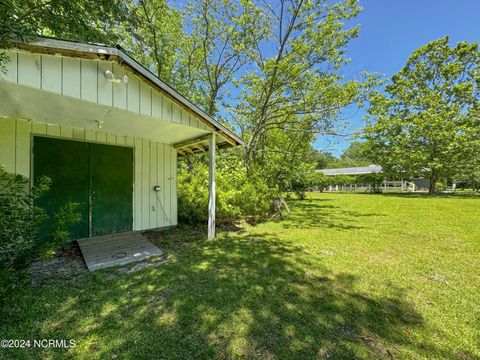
(66, 263)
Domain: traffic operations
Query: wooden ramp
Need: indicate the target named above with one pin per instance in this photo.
(116, 249)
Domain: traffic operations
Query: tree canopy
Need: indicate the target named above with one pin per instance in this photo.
(427, 119)
(270, 70)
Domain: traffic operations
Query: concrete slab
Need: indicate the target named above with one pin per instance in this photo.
(116, 249)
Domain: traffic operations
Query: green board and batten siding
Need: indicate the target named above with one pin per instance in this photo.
(149, 170)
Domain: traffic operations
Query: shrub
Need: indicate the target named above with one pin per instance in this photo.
(68, 215)
(301, 180)
(19, 217)
(20, 220)
(192, 195)
(373, 180)
(319, 181)
(239, 196)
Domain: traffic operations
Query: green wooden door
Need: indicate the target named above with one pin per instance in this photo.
(96, 176)
(112, 187)
(66, 163)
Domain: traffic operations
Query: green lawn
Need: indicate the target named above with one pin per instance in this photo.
(343, 276)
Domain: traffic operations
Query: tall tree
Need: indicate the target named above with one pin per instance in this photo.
(294, 85)
(153, 33)
(323, 159)
(221, 35)
(356, 154)
(428, 117)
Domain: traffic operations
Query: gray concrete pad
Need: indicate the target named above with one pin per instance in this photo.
(116, 249)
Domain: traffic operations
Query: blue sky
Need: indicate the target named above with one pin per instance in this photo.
(392, 29)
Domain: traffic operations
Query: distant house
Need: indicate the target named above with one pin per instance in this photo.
(420, 183)
(371, 169)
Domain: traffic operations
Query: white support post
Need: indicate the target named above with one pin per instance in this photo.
(211, 186)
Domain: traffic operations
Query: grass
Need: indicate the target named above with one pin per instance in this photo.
(342, 276)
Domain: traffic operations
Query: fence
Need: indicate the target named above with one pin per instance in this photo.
(386, 186)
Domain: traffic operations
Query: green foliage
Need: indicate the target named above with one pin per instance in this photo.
(69, 214)
(85, 20)
(197, 48)
(296, 91)
(372, 180)
(20, 220)
(342, 180)
(441, 186)
(356, 154)
(221, 37)
(319, 180)
(323, 160)
(469, 174)
(207, 49)
(153, 33)
(429, 115)
(192, 193)
(238, 195)
(19, 217)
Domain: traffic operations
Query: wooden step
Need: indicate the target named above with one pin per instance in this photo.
(116, 249)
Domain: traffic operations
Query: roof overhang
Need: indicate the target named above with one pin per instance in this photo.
(55, 46)
(46, 107)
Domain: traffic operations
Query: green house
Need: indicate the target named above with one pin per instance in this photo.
(105, 130)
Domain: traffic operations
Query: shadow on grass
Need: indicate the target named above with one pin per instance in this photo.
(236, 296)
(318, 213)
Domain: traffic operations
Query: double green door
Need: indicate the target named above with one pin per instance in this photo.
(96, 176)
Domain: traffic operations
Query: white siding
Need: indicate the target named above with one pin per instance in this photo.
(29, 69)
(11, 67)
(85, 79)
(52, 73)
(105, 87)
(71, 77)
(7, 145)
(154, 164)
(145, 99)
(120, 89)
(88, 80)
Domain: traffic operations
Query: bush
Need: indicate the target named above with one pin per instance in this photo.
(373, 180)
(19, 217)
(68, 215)
(20, 220)
(238, 195)
(319, 181)
(342, 180)
(300, 194)
(440, 186)
(192, 195)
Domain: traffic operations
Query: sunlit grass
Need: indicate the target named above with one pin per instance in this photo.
(342, 276)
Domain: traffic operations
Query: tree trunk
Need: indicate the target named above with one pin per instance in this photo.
(433, 182)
